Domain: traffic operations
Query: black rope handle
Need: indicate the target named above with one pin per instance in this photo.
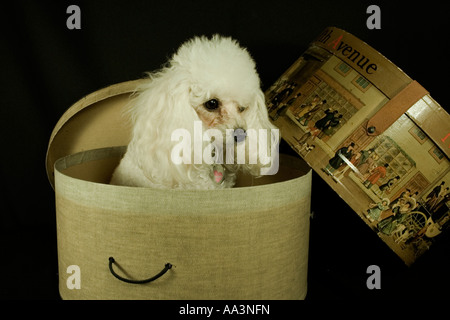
(163, 271)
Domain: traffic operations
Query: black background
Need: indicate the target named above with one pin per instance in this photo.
(47, 67)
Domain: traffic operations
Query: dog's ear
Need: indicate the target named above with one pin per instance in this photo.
(161, 106)
(162, 102)
(259, 117)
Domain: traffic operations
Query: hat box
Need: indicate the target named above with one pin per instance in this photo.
(118, 242)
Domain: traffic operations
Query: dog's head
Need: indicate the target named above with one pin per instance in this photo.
(212, 81)
(224, 87)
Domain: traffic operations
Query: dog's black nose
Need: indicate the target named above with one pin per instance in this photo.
(239, 135)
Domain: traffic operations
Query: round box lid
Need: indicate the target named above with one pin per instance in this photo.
(95, 121)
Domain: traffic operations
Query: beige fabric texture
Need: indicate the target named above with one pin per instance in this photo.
(241, 243)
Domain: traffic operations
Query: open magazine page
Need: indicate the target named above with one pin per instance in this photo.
(373, 134)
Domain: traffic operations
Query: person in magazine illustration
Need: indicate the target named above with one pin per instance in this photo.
(337, 161)
(282, 110)
(309, 115)
(440, 204)
(305, 112)
(406, 195)
(323, 123)
(376, 209)
(364, 155)
(368, 165)
(328, 130)
(330, 120)
(387, 187)
(286, 92)
(376, 174)
(433, 197)
(400, 211)
(362, 161)
(329, 114)
(413, 198)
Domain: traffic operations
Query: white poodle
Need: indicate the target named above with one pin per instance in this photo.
(191, 117)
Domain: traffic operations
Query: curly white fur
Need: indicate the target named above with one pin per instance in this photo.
(179, 94)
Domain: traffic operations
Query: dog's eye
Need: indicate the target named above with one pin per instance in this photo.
(212, 104)
(241, 109)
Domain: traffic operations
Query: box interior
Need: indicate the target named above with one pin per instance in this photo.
(96, 166)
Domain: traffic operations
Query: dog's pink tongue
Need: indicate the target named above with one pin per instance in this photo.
(218, 176)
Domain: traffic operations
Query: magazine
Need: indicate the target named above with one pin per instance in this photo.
(373, 134)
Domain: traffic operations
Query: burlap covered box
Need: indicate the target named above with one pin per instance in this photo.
(248, 242)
